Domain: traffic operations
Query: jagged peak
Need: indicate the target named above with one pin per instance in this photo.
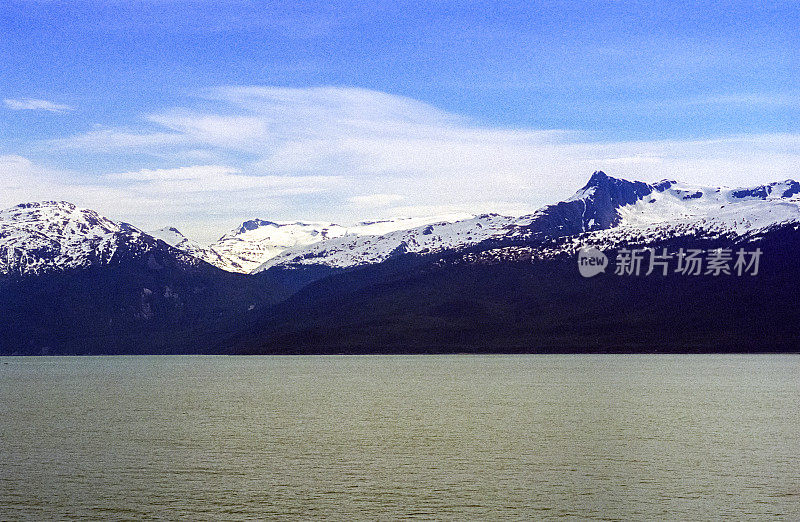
(167, 230)
(252, 224)
(597, 179)
(615, 188)
(598, 176)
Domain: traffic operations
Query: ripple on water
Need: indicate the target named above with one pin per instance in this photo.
(605, 437)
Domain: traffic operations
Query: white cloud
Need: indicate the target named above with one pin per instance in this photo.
(331, 107)
(113, 140)
(32, 104)
(22, 180)
(204, 200)
(375, 200)
(782, 99)
(339, 153)
(219, 178)
(212, 129)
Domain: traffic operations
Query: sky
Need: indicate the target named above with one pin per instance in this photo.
(201, 114)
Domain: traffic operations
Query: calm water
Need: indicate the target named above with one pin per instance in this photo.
(479, 437)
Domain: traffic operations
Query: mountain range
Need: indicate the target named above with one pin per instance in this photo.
(72, 281)
(256, 241)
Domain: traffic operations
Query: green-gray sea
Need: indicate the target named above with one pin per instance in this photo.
(627, 437)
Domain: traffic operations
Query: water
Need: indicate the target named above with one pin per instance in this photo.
(477, 437)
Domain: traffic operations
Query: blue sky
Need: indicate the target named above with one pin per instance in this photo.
(204, 113)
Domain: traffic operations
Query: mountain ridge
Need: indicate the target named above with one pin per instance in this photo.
(49, 236)
(253, 243)
(81, 283)
(486, 301)
(605, 206)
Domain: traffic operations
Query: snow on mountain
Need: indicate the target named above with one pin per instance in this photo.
(50, 236)
(606, 210)
(47, 236)
(739, 210)
(385, 226)
(256, 241)
(362, 250)
(680, 210)
(174, 238)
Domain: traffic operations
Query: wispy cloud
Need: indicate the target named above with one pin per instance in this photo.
(22, 180)
(238, 131)
(350, 154)
(375, 200)
(204, 200)
(116, 139)
(217, 179)
(32, 104)
(784, 99)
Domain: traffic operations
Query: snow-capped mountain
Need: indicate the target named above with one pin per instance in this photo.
(606, 210)
(363, 250)
(738, 210)
(50, 236)
(174, 238)
(93, 285)
(257, 241)
(671, 210)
